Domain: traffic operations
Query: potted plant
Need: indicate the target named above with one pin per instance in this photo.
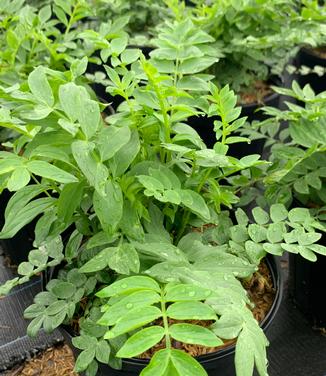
(50, 36)
(311, 61)
(296, 178)
(255, 40)
(142, 199)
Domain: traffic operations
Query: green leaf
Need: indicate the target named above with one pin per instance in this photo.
(109, 206)
(69, 200)
(195, 202)
(52, 322)
(63, 290)
(141, 341)
(183, 292)
(134, 319)
(257, 233)
(275, 232)
(89, 117)
(51, 172)
(40, 87)
(299, 215)
(225, 263)
(308, 238)
(69, 126)
(150, 183)
(241, 217)
(76, 103)
(254, 251)
(95, 172)
(125, 155)
(103, 351)
(251, 350)
(92, 369)
(260, 216)
(8, 286)
(84, 359)
(84, 342)
(194, 334)
(161, 251)
(71, 99)
(9, 164)
(19, 179)
(16, 220)
(78, 67)
(159, 364)
(274, 249)
(25, 268)
(45, 13)
(190, 311)
(307, 253)
(111, 140)
(33, 311)
(317, 248)
(137, 299)
(228, 326)
(278, 212)
(129, 285)
(38, 257)
(239, 233)
(186, 365)
(98, 262)
(124, 259)
(35, 325)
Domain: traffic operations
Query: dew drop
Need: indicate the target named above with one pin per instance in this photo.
(192, 293)
(124, 285)
(129, 305)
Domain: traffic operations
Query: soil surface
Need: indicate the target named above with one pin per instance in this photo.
(257, 94)
(320, 52)
(56, 361)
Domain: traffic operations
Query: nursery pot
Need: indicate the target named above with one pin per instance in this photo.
(18, 247)
(220, 363)
(310, 59)
(307, 286)
(204, 126)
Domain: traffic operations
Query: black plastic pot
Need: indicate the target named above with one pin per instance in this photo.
(205, 127)
(307, 286)
(220, 363)
(18, 247)
(309, 59)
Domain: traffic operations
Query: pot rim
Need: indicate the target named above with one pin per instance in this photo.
(309, 51)
(273, 81)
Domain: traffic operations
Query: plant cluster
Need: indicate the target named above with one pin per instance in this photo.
(257, 38)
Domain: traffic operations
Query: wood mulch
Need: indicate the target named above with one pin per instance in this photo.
(56, 361)
(321, 52)
(257, 94)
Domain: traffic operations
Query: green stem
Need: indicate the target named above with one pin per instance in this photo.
(71, 19)
(165, 321)
(38, 183)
